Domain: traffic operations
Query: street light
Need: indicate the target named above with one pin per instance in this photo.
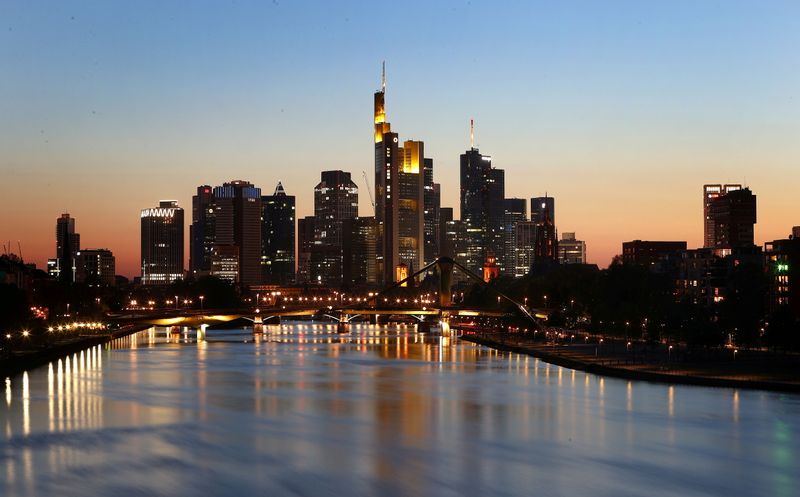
(176, 302)
(669, 354)
(202, 298)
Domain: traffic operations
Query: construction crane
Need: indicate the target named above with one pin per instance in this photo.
(369, 190)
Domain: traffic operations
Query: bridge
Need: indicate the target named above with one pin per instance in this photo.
(375, 306)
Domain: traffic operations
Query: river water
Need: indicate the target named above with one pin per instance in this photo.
(301, 410)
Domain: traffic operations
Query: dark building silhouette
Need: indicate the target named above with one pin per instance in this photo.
(545, 249)
(650, 253)
(538, 207)
(162, 243)
(278, 237)
(335, 200)
(515, 212)
(782, 267)
(710, 194)
(237, 208)
(305, 244)
(432, 207)
(734, 217)
(571, 250)
(95, 267)
(202, 231)
(358, 251)
(68, 243)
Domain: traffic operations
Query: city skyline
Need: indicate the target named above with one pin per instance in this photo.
(652, 144)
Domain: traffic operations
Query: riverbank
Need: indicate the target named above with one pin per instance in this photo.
(754, 372)
(24, 360)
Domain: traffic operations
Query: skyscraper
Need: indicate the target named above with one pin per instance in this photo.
(335, 200)
(202, 232)
(546, 245)
(538, 207)
(399, 197)
(733, 215)
(68, 243)
(162, 243)
(277, 237)
(358, 252)
(237, 211)
(711, 193)
(482, 206)
(525, 241)
(515, 212)
(305, 244)
(432, 206)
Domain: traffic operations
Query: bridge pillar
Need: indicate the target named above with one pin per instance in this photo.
(342, 327)
(445, 281)
(201, 332)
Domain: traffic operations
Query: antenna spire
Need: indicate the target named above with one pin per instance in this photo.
(383, 76)
(471, 133)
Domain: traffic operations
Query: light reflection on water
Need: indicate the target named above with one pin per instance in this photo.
(301, 410)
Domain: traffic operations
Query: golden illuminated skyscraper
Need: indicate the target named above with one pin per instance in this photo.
(399, 202)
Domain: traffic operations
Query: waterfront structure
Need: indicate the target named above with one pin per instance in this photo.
(710, 194)
(482, 195)
(524, 247)
(68, 243)
(278, 237)
(734, 216)
(95, 267)
(202, 231)
(162, 243)
(540, 205)
(571, 250)
(358, 254)
(705, 276)
(514, 212)
(399, 196)
(305, 244)
(650, 253)
(545, 250)
(782, 267)
(335, 200)
(225, 262)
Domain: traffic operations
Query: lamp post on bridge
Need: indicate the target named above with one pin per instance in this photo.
(202, 298)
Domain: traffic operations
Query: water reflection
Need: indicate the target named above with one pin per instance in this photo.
(381, 410)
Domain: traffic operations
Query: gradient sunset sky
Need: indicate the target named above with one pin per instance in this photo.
(621, 110)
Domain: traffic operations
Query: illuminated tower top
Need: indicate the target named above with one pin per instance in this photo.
(381, 126)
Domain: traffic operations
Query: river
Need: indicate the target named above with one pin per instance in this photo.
(384, 410)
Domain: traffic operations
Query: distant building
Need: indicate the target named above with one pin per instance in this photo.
(359, 245)
(734, 217)
(278, 237)
(540, 205)
(796, 232)
(482, 207)
(225, 262)
(515, 212)
(649, 253)
(432, 213)
(524, 247)
(782, 267)
(704, 276)
(162, 243)
(96, 267)
(570, 250)
(710, 194)
(490, 268)
(202, 231)
(305, 244)
(545, 250)
(335, 200)
(68, 243)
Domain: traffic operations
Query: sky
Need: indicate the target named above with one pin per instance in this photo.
(621, 110)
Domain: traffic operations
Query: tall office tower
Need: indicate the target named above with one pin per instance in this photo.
(96, 267)
(237, 211)
(305, 244)
(525, 241)
(734, 215)
(277, 237)
(482, 207)
(68, 243)
(456, 243)
(538, 207)
(570, 250)
(162, 243)
(202, 230)
(445, 245)
(711, 193)
(335, 200)
(432, 206)
(515, 212)
(358, 254)
(399, 198)
(225, 262)
(545, 250)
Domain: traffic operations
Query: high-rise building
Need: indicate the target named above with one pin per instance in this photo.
(399, 197)
(538, 207)
(96, 267)
(782, 265)
(202, 231)
(68, 243)
(237, 211)
(305, 244)
(570, 250)
(524, 247)
(358, 252)
(734, 217)
(515, 212)
(546, 244)
(710, 194)
(277, 237)
(335, 200)
(432, 207)
(225, 262)
(162, 243)
(482, 206)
